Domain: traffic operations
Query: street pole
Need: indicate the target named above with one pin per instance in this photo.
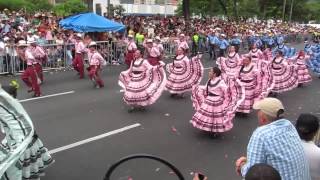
(109, 13)
(284, 10)
(291, 8)
(165, 8)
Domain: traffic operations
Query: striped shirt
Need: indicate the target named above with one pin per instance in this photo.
(278, 144)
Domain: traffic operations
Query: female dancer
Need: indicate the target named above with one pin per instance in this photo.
(215, 103)
(285, 75)
(255, 54)
(142, 82)
(250, 77)
(22, 153)
(231, 65)
(302, 69)
(183, 74)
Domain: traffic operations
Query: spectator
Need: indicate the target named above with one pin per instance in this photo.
(307, 126)
(276, 143)
(262, 172)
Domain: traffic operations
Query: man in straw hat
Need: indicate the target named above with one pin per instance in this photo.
(96, 61)
(182, 44)
(30, 76)
(153, 52)
(80, 49)
(131, 49)
(40, 56)
(275, 142)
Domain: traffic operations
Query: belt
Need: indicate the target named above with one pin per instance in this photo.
(211, 94)
(246, 81)
(276, 68)
(136, 72)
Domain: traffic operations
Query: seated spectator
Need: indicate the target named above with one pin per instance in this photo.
(307, 126)
(276, 143)
(262, 172)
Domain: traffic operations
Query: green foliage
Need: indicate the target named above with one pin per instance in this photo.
(36, 5)
(303, 10)
(202, 8)
(29, 5)
(70, 7)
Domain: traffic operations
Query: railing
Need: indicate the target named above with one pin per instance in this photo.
(60, 55)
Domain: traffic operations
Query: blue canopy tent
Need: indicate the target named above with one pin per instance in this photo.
(90, 22)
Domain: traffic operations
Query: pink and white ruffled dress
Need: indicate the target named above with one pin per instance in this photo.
(302, 69)
(284, 74)
(143, 83)
(230, 66)
(215, 104)
(251, 79)
(183, 74)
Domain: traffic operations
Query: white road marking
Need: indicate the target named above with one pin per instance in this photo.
(207, 68)
(47, 96)
(95, 138)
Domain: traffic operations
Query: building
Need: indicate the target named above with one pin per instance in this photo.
(143, 7)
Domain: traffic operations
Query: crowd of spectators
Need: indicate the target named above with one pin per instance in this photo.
(44, 28)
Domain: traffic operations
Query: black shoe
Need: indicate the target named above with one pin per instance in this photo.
(173, 95)
(132, 109)
(300, 85)
(36, 95)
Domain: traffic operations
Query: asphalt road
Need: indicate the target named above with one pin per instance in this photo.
(162, 130)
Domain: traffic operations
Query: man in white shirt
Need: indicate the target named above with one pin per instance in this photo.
(308, 126)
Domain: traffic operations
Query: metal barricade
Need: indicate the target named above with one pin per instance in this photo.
(169, 48)
(56, 58)
(112, 51)
(5, 64)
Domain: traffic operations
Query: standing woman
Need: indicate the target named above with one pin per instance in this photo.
(216, 102)
(284, 74)
(230, 66)
(142, 83)
(183, 74)
(256, 54)
(250, 77)
(301, 67)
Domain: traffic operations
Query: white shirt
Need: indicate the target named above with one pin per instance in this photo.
(2, 49)
(313, 155)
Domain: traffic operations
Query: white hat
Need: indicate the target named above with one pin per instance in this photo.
(22, 43)
(92, 43)
(31, 40)
(223, 35)
(79, 35)
(158, 38)
(130, 36)
(149, 41)
(6, 38)
(269, 106)
(182, 35)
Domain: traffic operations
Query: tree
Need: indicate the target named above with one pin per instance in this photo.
(186, 9)
(29, 5)
(116, 10)
(36, 5)
(302, 10)
(70, 7)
